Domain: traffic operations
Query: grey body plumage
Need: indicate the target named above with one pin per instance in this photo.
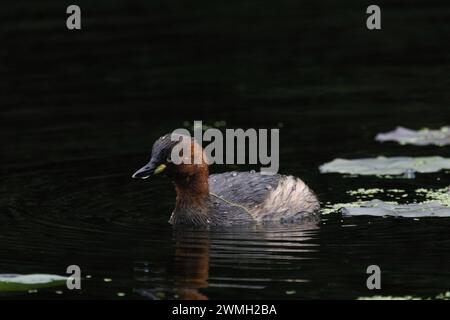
(238, 198)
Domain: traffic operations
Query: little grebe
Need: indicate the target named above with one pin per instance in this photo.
(231, 198)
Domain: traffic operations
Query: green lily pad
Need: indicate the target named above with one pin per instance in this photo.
(413, 210)
(386, 166)
(18, 282)
(421, 137)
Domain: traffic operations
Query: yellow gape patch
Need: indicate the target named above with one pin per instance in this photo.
(160, 169)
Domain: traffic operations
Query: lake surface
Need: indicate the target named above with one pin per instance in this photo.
(80, 111)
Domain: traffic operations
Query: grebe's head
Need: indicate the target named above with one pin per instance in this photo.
(176, 155)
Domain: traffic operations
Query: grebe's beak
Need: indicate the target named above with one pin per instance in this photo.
(148, 170)
(144, 172)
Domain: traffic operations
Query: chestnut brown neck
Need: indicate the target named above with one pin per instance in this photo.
(191, 187)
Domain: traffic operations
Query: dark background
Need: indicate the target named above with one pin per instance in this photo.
(138, 69)
(79, 111)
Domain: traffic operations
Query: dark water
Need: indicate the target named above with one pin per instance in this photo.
(80, 110)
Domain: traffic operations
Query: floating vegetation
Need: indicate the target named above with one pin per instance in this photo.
(413, 210)
(421, 137)
(289, 292)
(441, 296)
(382, 166)
(362, 191)
(29, 282)
(437, 203)
(364, 194)
(330, 208)
(395, 190)
(205, 126)
(441, 195)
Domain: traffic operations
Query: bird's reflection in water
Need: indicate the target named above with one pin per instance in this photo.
(249, 251)
(191, 263)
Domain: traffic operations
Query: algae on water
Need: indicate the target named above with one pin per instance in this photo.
(441, 195)
(364, 192)
(436, 204)
(412, 210)
(330, 208)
